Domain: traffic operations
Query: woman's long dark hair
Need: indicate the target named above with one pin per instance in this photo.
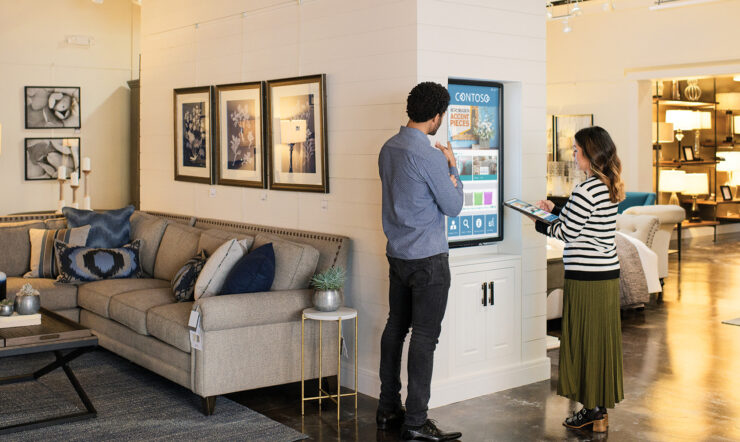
(598, 147)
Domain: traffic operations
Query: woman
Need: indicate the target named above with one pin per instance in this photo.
(591, 343)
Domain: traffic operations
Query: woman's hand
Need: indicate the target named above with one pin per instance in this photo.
(545, 205)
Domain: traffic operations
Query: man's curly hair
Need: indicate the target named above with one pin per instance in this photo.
(426, 100)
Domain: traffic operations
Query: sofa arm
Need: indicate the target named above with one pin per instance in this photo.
(247, 309)
(642, 227)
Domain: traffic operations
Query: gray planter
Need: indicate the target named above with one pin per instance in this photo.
(327, 300)
(27, 304)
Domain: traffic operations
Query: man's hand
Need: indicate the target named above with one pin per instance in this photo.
(447, 150)
(454, 180)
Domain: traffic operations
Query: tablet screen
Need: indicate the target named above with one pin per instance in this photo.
(530, 209)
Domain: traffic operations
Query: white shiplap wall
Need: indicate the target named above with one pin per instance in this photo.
(373, 54)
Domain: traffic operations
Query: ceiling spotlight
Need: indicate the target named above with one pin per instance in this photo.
(576, 9)
(566, 26)
(549, 9)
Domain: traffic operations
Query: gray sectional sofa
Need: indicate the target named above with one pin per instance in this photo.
(249, 340)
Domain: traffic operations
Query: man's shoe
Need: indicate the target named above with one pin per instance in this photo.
(594, 417)
(428, 432)
(390, 419)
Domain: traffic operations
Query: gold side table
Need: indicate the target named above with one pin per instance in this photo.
(341, 314)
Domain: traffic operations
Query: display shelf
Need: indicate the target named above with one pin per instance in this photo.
(682, 103)
(686, 163)
(733, 218)
(714, 203)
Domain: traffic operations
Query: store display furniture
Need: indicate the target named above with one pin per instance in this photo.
(636, 199)
(668, 216)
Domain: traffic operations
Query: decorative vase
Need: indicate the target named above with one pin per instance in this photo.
(327, 300)
(692, 91)
(484, 143)
(6, 309)
(675, 95)
(27, 304)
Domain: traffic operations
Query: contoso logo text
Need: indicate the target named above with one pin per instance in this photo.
(470, 96)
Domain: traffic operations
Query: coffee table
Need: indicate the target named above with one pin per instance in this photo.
(55, 334)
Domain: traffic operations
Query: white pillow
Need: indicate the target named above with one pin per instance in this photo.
(218, 266)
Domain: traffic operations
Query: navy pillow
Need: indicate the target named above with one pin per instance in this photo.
(108, 229)
(254, 272)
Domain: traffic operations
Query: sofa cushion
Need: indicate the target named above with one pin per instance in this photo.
(109, 229)
(149, 229)
(295, 263)
(96, 296)
(84, 264)
(55, 223)
(183, 284)
(179, 244)
(212, 239)
(217, 268)
(54, 296)
(14, 236)
(43, 254)
(169, 323)
(254, 272)
(130, 308)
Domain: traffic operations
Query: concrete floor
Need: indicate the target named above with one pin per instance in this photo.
(681, 368)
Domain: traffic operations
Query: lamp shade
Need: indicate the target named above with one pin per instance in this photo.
(737, 124)
(292, 131)
(730, 163)
(672, 180)
(696, 184)
(662, 133)
(704, 120)
(682, 119)
(728, 101)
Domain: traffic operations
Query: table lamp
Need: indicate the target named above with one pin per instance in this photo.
(682, 120)
(662, 133)
(731, 164)
(696, 184)
(672, 181)
(729, 102)
(291, 132)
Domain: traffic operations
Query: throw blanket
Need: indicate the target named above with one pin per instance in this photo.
(632, 282)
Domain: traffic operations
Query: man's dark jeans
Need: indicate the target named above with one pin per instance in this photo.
(417, 299)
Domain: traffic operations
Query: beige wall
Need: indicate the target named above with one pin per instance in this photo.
(33, 52)
(603, 65)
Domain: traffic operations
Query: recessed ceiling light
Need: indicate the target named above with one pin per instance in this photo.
(98, 2)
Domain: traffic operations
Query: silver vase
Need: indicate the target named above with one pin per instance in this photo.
(6, 309)
(327, 300)
(27, 304)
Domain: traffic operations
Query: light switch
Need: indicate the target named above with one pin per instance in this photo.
(263, 197)
(324, 205)
(212, 192)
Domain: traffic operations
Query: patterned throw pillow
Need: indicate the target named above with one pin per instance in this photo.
(82, 264)
(43, 257)
(183, 284)
(109, 229)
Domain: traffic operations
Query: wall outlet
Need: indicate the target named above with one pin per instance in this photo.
(263, 196)
(324, 205)
(212, 192)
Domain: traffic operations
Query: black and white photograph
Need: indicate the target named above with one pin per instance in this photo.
(726, 193)
(44, 156)
(688, 153)
(192, 111)
(49, 107)
(297, 131)
(239, 146)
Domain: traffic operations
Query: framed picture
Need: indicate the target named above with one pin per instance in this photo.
(45, 155)
(193, 154)
(298, 158)
(51, 106)
(565, 128)
(688, 153)
(550, 139)
(239, 141)
(726, 193)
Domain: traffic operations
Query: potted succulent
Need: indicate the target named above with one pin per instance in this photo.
(27, 300)
(328, 285)
(6, 307)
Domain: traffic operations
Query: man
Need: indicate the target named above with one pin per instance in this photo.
(421, 185)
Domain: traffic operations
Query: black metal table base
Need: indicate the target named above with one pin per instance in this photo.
(61, 361)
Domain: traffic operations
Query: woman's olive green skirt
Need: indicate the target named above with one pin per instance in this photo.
(591, 343)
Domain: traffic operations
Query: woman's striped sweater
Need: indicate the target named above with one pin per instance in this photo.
(587, 224)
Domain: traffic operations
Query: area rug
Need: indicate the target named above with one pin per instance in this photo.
(132, 403)
(735, 321)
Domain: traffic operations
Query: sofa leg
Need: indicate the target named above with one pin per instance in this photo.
(209, 404)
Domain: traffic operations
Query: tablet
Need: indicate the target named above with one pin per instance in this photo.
(529, 209)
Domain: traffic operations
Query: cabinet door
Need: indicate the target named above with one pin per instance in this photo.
(470, 318)
(502, 317)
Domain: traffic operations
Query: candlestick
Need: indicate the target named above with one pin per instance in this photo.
(74, 179)
(86, 164)
(62, 173)
(60, 204)
(86, 200)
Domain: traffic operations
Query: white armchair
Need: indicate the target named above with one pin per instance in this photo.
(668, 216)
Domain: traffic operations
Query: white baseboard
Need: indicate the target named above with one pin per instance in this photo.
(448, 391)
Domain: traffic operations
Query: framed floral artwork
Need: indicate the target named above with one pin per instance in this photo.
(298, 157)
(239, 140)
(51, 106)
(193, 154)
(44, 156)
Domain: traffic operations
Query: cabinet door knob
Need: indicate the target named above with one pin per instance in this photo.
(485, 294)
(491, 299)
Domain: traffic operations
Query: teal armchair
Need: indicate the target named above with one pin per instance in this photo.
(636, 199)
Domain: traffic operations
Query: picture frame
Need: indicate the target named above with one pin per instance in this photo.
(49, 107)
(193, 134)
(43, 156)
(688, 153)
(550, 138)
(565, 128)
(239, 141)
(726, 193)
(298, 149)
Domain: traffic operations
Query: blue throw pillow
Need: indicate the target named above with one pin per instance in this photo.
(82, 264)
(108, 229)
(183, 284)
(254, 272)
